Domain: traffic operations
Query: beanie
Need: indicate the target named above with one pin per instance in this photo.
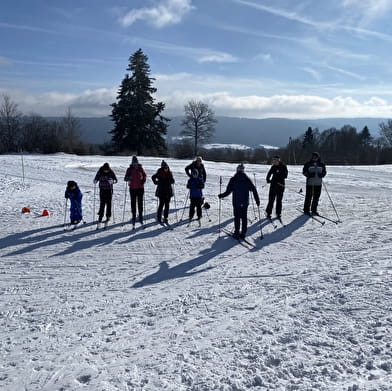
(71, 184)
(106, 166)
(240, 168)
(164, 164)
(134, 160)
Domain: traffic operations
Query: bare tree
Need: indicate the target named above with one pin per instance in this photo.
(72, 133)
(386, 131)
(198, 123)
(10, 118)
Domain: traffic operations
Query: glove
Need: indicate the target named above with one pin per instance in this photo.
(268, 180)
(220, 196)
(95, 181)
(258, 203)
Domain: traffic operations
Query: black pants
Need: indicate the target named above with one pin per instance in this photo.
(164, 203)
(275, 193)
(196, 203)
(240, 216)
(312, 196)
(137, 198)
(105, 200)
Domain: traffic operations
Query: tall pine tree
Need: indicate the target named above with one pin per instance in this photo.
(139, 126)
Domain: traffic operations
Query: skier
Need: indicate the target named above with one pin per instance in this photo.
(240, 185)
(105, 177)
(136, 177)
(314, 170)
(195, 185)
(199, 166)
(276, 177)
(75, 196)
(164, 180)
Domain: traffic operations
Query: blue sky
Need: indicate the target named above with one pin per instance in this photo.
(247, 58)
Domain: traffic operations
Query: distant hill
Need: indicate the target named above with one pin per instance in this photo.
(233, 130)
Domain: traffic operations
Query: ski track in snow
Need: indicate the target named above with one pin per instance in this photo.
(309, 308)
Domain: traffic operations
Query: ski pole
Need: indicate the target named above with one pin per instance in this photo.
(183, 208)
(253, 207)
(125, 201)
(65, 211)
(220, 204)
(330, 199)
(175, 203)
(261, 227)
(112, 205)
(144, 206)
(258, 209)
(95, 189)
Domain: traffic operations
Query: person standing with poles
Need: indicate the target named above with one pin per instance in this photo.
(314, 170)
(240, 185)
(276, 178)
(195, 185)
(164, 180)
(73, 193)
(105, 178)
(136, 177)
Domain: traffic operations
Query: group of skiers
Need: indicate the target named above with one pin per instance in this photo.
(240, 186)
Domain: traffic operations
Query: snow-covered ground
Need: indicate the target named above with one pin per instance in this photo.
(308, 308)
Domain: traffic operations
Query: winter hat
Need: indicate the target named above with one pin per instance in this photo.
(106, 166)
(198, 159)
(240, 168)
(134, 160)
(164, 164)
(195, 171)
(276, 157)
(71, 184)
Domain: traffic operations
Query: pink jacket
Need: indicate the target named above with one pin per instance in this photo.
(136, 177)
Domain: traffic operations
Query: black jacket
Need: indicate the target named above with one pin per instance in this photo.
(164, 180)
(240, 185)
(277, 174)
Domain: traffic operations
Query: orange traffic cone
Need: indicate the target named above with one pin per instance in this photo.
(45, 212)
(25, 209)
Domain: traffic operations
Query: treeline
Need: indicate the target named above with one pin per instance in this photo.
(36, 134)
(342, 146)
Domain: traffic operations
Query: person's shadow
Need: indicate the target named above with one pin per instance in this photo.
(185, 269)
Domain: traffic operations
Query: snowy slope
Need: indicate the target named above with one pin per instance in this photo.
(308, 308)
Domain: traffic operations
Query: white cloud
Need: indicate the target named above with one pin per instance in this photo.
(315, 74)
(177, 89)
(345, 72)
(367, 10)
(167, 13)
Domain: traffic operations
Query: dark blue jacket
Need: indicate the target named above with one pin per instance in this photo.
(195, 186)
(75, 196)
(240, 185)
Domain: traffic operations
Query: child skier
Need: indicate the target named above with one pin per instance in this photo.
(106, 177)
(195, 185)
(75, 196)
(163, 178)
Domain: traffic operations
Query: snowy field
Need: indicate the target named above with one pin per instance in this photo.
(307, 308)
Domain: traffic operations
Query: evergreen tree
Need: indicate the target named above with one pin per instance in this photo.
(308, 142)
(139, 126)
